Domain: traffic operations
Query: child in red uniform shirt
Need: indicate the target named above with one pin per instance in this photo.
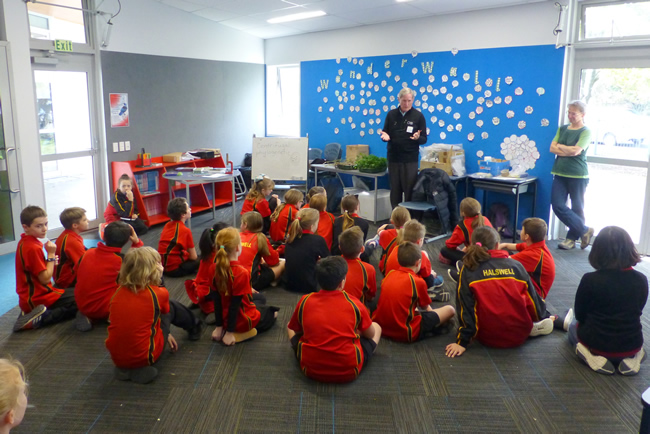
(402, 292)
(13, 394)
(470, 211)
(198, 289)
(498, 303)
(97, 274)
(258, 256)
(313, 192)
(256, 200)
(122, 206)
(330, 331)
(387, 234)
(361, 280)
(325, 219)
(40, 302)
(140, 317)
(284, 214)
(237, 317)
(414, 232)
(176, 245)
(349, 217)
(70, 246)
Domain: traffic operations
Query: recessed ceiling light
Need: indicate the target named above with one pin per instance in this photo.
(402, 1)
(296, 17)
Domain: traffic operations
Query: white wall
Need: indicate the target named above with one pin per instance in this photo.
(148, 27)
(501, 27)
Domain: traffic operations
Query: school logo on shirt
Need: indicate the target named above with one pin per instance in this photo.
(499, 272)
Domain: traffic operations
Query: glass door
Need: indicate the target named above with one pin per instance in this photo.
(65, 127)
(10, 200)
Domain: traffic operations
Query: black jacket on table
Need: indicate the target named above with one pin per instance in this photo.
(608, 308)
(435, 187)
(401, 148)
(301, 256)
(123, 206)
(497, 303)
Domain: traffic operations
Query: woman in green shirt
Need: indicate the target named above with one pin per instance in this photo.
(571, 176)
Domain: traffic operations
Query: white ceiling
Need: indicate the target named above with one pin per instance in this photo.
(250, 15)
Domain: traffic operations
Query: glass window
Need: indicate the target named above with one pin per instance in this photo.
(283, 100)
(48, 21)
(616, 20)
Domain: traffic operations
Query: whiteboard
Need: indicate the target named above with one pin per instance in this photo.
(281, 158)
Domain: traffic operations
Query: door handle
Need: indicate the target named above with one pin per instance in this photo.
(11, 190)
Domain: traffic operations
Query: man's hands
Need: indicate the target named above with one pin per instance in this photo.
(416, 135)
(384, 136)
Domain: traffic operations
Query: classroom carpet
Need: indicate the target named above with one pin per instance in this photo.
(256, 386)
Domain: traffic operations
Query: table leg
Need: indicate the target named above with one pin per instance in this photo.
(375, 200)
(187, 193)
(234, 205)
(534, 197)
(315, 177)
(214, 212)
(514, 228)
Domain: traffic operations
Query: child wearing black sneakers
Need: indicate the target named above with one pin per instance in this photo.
(607, 334)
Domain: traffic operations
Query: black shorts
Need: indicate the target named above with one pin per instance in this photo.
(264, 278)
(368, 347)
(430, 321)
(267, 318)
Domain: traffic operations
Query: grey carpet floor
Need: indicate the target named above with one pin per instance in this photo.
(257, 387)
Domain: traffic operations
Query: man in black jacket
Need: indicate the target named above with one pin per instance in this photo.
(405, 129)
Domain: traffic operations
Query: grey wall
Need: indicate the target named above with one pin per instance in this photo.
(179, 104)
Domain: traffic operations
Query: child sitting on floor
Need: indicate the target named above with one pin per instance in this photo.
(607, 334)
(303, 251)
(70, 246)
(140, 315)
(122, 206)
(258, 256)
(237, 317)
(313, 192)
(361, 280)
(470, 211)
(402, 292)
(325, 219)
(387, 234)
(330, 331)
(256, 200)
(498, 303)
(349, 217)
(284, 214)
(176, 245)
(13, 394)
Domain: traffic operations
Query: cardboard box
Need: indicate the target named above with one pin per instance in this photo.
(444, 161)
(353, 151)
(367, 205)
(172, 157)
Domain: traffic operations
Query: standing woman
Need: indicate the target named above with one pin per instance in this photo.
(405, 129)
(571, 176)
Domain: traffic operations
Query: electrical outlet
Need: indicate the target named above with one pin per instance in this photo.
(121, 146)
(127, 145)
(115, 147)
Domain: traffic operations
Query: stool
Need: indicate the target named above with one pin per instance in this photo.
(424, 207)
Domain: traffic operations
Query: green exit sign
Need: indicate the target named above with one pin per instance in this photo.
(62, 45)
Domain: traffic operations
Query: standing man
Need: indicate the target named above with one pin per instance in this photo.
(571, 176)
(405, 129)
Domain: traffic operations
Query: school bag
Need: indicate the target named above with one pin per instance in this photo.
(499, 216)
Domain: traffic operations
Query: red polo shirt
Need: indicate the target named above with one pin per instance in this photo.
(175, 240)
(539, 263)
(30, 262)
(70, 248)
(361, 280)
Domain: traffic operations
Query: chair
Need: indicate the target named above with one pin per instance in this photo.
(314, 153)
(425, 207)
(332, 152)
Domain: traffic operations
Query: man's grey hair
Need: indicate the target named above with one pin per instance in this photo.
(405, 91)
(581, 106)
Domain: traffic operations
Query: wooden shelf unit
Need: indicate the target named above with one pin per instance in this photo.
(152, 205)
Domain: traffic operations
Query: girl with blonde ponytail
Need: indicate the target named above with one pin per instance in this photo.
(303, 251)
(237, 317)
(284, 214)
(349, 217)
(261, 188)
(470, 211)
(258, 255)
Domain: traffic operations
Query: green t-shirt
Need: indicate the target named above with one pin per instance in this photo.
(572, 167)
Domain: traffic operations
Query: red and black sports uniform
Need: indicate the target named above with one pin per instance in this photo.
(121, 208)
(402, 291)
(175, 241)
(262, 206)
(97, 280)
(327, 341)
(302, 255)
(387, 241)
(326, 227)
(280, 227)
(361, 280)
(238, 311)
(539, 263)
(198, 288)
(30, 262)
(251, 258)
(338, 229)
(425, 268)
(462, 234)
(70, 249)
(497, 303)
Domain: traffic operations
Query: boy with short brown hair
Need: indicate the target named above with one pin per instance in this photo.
(361, 279)
(70, 246)
(176, 245)
(40, 302)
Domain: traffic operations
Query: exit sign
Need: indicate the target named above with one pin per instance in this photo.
(62, 45)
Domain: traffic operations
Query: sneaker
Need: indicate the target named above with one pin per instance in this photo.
(194, 334)
(143, 375)
(441, 296)
(568, 319)
(82, 323)
(443, 260)
(544, 327)
(567, 244)
(459, 266)
(240, 337)
(631, 365)
(121, 374)
(453, 275)
(597, 363)
(31, 320)
(586, 238)
(437, 282)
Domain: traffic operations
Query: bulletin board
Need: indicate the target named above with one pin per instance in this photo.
(281, 158)
(499, 102)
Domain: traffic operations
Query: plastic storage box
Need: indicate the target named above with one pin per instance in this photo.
(367, 205)
(493, 167)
